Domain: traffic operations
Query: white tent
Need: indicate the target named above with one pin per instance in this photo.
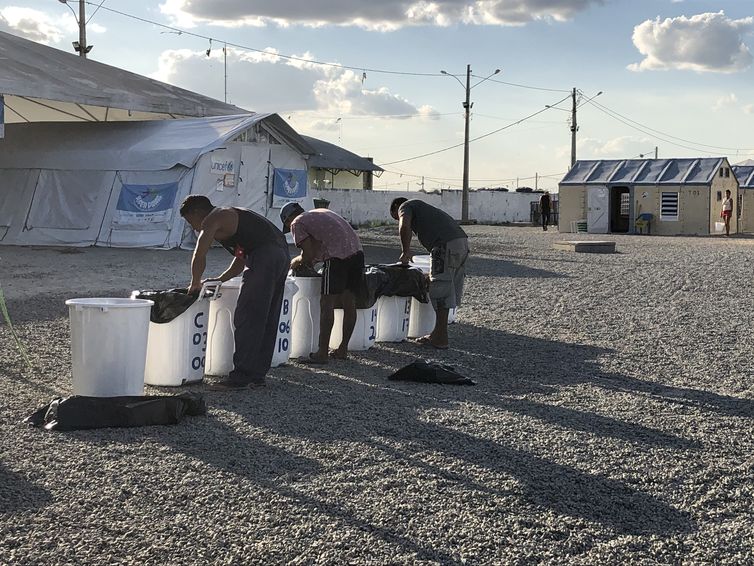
(121, 183)
(43, 84)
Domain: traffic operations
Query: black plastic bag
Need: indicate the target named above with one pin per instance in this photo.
(392, 280)
(425, 371)
(168, 304)
(82, 413)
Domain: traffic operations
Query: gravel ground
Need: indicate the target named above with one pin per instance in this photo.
(611, 423)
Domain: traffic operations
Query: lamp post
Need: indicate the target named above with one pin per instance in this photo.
(467, 105)
(80, 46)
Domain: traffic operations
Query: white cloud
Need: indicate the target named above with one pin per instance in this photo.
(709, 42)
(370, 14)
(266, 82)
(725, 102)
(31, 24)
(749, 109)
(42, 27)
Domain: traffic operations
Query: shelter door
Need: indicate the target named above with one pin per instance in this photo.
(598, 208)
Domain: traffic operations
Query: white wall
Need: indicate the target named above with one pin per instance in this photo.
(487, 207)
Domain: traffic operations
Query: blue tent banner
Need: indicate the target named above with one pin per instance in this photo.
(145, 204)
(288, 185)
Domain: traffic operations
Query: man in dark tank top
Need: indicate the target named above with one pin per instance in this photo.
(260, 252)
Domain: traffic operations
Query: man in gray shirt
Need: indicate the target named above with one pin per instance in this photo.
(448, 246)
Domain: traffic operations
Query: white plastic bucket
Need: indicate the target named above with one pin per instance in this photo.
(393, 317)
(364, 333)
(423, 263)
(220, 329)
(283, 343)
(108, 345)
(305, 317)
(176, 352)
(422, 319)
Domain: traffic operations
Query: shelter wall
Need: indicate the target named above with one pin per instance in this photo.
(693, 209)
(746, 223)
(571, 207)
(721, 184)
(320, 178)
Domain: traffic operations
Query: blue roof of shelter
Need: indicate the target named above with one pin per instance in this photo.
(745, 175)
(643, 171)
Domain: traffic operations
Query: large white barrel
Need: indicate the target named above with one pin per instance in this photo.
(364, 333)
(283, 343)
(176, 352)
(422, 319)
(108, 345)
(423, 263)
(220, 329)
(393, 316)
(305, 317)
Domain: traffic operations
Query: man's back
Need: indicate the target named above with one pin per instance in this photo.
(431, 225)
(336, 236)
(253, 230)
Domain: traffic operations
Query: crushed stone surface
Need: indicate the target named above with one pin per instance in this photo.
(611, 423)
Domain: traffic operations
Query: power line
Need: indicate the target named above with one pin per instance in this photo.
(530, 87)
(545, 109)
(256, 50)
(89, 19)
(637, 125)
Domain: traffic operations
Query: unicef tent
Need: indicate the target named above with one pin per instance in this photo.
(121, 183)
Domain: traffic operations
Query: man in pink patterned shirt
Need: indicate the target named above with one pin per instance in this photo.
(324, 236)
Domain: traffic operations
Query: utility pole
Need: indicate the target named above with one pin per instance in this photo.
(656, 152)
(80, 46)
(536, 181)
(225, 61)
(574, 128)
(467, 107)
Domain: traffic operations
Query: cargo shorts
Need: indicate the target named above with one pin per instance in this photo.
(447, 270)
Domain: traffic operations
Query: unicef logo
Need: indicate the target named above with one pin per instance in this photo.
(291, 185)
(148, 200)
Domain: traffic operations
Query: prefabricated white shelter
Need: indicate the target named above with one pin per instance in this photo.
(680, 196)
(121, 183)
(745, 176)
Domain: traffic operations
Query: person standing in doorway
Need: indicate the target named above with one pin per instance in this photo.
(448, 246)
(322, 235)
(545, 205)
(727, 212)
(259, 246)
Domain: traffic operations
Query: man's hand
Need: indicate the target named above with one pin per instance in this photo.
(297, 262)
(405, 257)
(195, 287)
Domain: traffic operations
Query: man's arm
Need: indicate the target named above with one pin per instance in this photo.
(404, 229)
(309, 247)
(235, 269)
(199, 259)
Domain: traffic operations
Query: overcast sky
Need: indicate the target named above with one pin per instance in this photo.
(680, 67)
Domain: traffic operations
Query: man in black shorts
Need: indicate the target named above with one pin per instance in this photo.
(323, 235)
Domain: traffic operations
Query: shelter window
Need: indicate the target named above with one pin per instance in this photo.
(719, 196)
(727, 172)
(669, 207)
(721, 171)
(625, 204)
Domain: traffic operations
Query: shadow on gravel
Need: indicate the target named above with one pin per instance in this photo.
(367, 410)
(19, 494)
(50, 306)
(476, 266)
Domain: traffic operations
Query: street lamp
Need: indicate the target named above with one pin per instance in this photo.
(80, 46)
(467, 105)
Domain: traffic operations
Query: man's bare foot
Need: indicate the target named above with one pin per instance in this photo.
(339, 354)
(314, 360)
(428, 340)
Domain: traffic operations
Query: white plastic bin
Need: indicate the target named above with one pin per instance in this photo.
(422, 319)
(364, 333)
(282, 350)
(305, 317)
(108, 345)
(423, 263)
(393, 317)
(220, 329)
(176, 352)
